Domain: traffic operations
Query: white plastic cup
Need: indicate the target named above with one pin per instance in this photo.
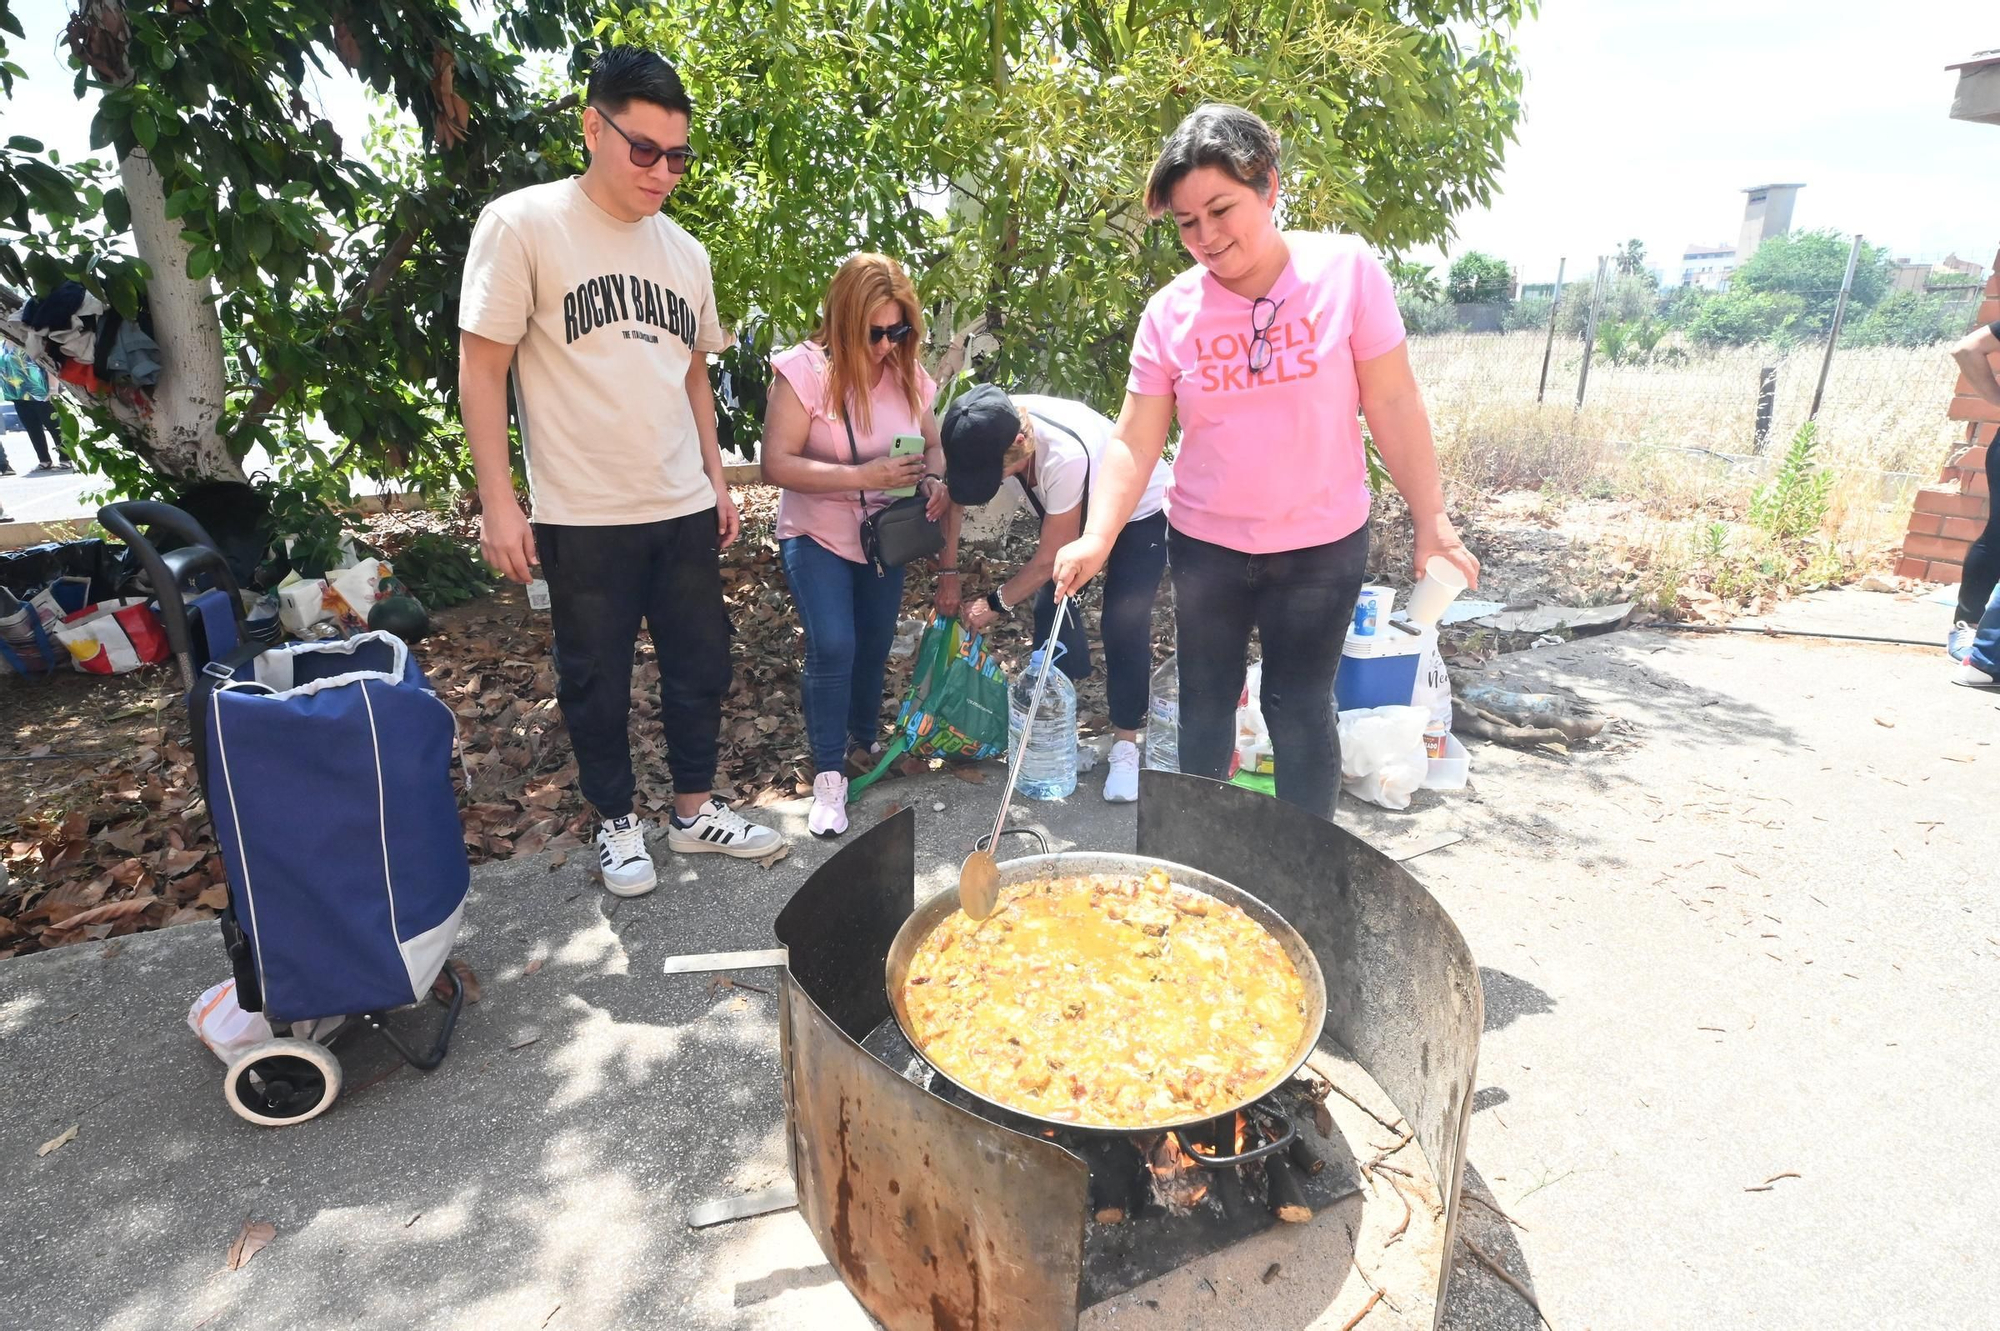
(1440, 585)
(1371, 610)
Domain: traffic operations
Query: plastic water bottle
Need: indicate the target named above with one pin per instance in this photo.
(1048, 767)
(1163, 719)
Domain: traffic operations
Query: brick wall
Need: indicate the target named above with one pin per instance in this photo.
(1949, 516)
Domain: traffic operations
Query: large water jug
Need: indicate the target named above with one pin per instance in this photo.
(1163, 719)
(1048, 768)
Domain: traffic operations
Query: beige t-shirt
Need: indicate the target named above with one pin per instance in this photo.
(604, 317)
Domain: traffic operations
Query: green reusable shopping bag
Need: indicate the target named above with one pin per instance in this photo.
(957, 704)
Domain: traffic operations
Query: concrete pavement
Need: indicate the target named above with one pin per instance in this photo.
(1752, 935)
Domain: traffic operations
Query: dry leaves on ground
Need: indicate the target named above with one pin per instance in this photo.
(58, 1142)
(119, 841)
(250, 1241)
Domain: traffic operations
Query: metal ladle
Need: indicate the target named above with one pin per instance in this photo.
(979, 876)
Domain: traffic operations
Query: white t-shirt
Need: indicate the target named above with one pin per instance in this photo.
(604, 317)
(1062, 465)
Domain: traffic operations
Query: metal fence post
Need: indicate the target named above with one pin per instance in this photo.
(1767, 402)
(1833, 333)
(1549, 348)
(1590, 329)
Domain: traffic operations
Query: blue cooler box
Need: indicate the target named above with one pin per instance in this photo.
(1379, 671)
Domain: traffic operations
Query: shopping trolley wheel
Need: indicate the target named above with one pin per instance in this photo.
(282, 1082)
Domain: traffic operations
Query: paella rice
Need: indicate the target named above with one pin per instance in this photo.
(1110, 1000)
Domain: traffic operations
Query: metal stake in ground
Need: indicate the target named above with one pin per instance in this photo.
(1590, 329)
(979, 876)
(1833, 333)
(1549, 347)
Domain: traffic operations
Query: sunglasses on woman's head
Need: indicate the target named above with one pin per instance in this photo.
(644, 154)
(897, 333)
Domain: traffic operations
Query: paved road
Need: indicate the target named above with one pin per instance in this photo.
(1753, 936)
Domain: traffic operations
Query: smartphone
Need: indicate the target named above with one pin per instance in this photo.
(902, 446)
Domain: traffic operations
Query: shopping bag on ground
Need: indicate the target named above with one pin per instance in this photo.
(1382, 758)
(957, 704)
(957, 708)
(113, 637)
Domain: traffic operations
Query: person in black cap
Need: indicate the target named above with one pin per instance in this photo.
(1051, 447)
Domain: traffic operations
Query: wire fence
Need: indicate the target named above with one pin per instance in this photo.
(1647, 382)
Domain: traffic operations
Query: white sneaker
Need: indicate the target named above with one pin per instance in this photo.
(1958, 643)
(1974, 678)
(829, 811)
(622, 859)
(1121, 781)
(721, 829)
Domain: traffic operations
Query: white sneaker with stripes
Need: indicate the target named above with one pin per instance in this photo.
(719, 828)
(622, 857)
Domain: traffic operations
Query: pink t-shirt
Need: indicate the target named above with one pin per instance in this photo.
(1269, 461)
(834, 518)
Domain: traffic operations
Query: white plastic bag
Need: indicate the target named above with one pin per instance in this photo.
(1433, 689)
(1253, 737)
(301, 605)
(225, 1028)
(1382, 758)
(357, 585)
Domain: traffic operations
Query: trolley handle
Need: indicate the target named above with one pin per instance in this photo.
(169, 573)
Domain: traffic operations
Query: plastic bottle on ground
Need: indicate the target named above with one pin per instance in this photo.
(1048, 768)
(1163, 719)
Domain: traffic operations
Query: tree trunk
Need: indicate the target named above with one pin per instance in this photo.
(187, 401)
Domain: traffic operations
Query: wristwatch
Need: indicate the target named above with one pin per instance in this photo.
(995, 603)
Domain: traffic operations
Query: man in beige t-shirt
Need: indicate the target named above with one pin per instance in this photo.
(603, 310)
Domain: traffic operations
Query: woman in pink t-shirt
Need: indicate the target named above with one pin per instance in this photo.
(838, 400)
(1264, 351)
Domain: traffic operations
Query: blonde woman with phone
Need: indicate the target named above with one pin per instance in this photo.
(839, 402)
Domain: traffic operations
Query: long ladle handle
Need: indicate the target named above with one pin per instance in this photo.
(1028, 725)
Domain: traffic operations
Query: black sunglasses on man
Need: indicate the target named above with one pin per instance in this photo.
(644, 154)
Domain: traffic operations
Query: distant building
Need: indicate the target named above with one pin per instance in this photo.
(1950, 273)
(1907, 276)
(1707, 266)
(1767, 212)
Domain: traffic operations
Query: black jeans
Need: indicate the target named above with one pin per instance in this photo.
(1982, 561)
(1131, 584)
(1300, 602)
(39, 422)
(602, 582)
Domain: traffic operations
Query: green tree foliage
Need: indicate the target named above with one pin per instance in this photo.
(1737, 318)
(1532, 313)
(1631, 259)
(1000, 151)
(1416, 281)
(1810, 265)
(1626, 300)
(1480, 279)
(336, 273)
(1908, 319)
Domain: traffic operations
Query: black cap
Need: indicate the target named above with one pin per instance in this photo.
(977, 431)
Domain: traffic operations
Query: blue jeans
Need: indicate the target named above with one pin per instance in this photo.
(1131, 584)
(1300, 602)
(1986, 643)
(849, 613)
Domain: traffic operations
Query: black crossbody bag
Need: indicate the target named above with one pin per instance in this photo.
(1029, 490)
(894, 535)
